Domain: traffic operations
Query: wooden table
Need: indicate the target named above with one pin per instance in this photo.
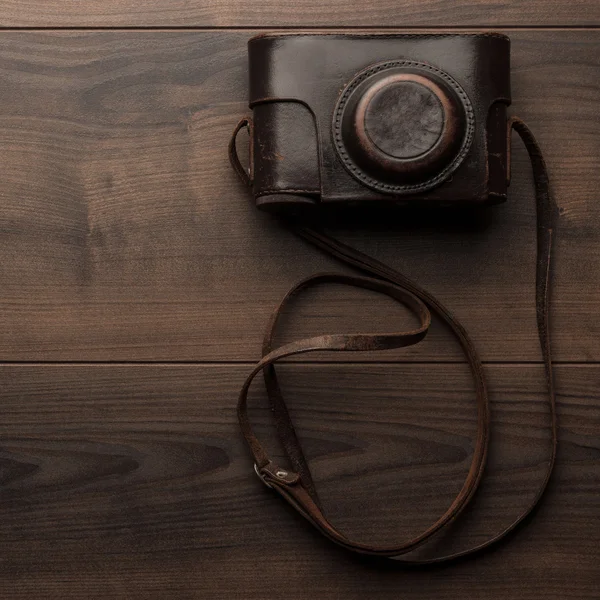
(136, 279)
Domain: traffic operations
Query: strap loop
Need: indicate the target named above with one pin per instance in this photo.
(245, 175)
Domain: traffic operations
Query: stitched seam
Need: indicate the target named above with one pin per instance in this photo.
(387, 187)
(383, 35)
(286, 190)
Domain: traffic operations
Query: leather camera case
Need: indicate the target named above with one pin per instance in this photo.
(378, 118)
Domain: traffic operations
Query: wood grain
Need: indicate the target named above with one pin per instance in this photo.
(307, 13)
(133, 482)
(124, 234)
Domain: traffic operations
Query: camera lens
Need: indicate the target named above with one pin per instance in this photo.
(402, 126)
(403, 119)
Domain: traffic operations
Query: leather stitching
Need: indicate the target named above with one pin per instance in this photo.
(491, 34)
(270, 192)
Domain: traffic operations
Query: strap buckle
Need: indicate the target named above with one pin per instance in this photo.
(261, 476)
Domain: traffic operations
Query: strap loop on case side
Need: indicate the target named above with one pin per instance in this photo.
(246, 175)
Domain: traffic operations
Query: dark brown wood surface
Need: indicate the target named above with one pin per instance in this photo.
(132, 482)
(136, 279)
(126, 237)
(306, 13)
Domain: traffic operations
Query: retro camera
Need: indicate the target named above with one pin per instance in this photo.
(365, 118)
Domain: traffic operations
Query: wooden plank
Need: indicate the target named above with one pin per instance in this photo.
(133, 482)
(126, 236)
(268, 13)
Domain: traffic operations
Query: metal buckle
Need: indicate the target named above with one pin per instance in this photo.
(261, 476)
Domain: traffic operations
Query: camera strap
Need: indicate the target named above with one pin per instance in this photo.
(297, 486)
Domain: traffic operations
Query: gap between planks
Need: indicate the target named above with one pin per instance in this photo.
(250, 364)
(377, 28)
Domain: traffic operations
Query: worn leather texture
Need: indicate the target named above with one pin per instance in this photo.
(296, 81)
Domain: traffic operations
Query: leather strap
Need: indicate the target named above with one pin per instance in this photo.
(296, 485)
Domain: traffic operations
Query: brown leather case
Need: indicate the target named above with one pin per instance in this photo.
(299, 81)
